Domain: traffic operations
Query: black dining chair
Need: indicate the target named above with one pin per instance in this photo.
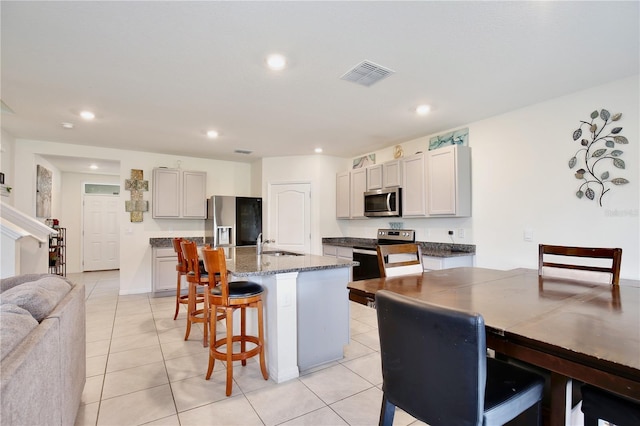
(435, 367)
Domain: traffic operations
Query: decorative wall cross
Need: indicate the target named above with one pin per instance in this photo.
(137, 186)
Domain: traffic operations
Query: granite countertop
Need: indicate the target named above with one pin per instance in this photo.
(167, 242)
(428, 248)
(244, 262)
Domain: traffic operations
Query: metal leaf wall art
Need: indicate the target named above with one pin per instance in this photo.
(599, 152)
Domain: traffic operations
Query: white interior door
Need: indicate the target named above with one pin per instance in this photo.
(100, 233)
(290, 216)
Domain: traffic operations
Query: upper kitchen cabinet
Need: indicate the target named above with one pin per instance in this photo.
(179, 194)
(385, 175)
(414, 190)
(449, 181)
(343, 195)
(350, 189)
(358, 188)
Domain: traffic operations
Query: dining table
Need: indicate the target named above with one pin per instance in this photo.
(573, 329)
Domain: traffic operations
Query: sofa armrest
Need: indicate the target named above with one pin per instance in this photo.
(70, 313)
(30, 381)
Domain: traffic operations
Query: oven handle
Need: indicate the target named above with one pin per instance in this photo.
(369, 252)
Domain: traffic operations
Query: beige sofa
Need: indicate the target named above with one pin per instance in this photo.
(42, 349)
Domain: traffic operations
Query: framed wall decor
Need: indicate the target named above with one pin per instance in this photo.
(43, 191)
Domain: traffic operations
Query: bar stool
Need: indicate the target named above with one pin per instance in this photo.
(195, 278)
(181, 269)
(229, 296)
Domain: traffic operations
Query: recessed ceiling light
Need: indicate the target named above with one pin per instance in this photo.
(93, 167)
(276, 62)
(318, 150)
(423, 109)
(66, 125)
(87, 115)
(212, 134)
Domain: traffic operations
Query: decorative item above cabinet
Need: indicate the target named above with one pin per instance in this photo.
(179, 194)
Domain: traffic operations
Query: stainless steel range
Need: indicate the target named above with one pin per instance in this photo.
(368, 256)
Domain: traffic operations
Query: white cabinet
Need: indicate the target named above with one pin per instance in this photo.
(385, 175)
(350, 188)
(163, 275)
(449, 181)
(358, 188)
(339, 252)
(179, 194)
(343, 195)
(430, 263)
(414, 190)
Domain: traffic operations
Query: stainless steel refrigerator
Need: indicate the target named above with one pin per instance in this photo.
(233, 221)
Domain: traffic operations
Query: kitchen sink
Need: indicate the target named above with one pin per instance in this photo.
(281, 253)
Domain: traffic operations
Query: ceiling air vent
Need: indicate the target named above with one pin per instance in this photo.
(367, 73)
(243, 151)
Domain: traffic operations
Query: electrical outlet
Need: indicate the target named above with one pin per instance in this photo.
(460, 232)
(450, 232)
(528, 234)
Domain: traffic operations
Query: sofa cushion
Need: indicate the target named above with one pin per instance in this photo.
(10, 282)
(15, 324)
(38, 297)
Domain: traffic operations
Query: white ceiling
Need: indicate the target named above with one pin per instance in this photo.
(159, 74)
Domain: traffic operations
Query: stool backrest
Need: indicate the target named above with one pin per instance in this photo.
(182, 264)
(433, 359)
(190, 253)
(216, 265)
(581, 263)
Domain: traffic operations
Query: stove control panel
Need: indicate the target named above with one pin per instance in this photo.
(399, 235)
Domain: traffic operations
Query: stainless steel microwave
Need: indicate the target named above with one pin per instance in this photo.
(383, 202)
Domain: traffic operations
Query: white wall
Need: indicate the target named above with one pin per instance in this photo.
(223, 178)
(320, 171)
(7, 144)
(71, 214)
(521, 180)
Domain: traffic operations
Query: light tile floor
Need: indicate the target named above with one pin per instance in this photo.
(140, 370)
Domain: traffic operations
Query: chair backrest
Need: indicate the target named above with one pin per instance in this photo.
(182, 264)
(433, 359)
(190, 253)
(216, 265)
(399, 259)
(582, 263)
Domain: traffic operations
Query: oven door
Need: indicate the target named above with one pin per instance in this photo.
(368, 267)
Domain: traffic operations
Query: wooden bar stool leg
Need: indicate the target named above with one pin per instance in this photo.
(191, 308)
(177, 297)
(212, 343)
(263, 365)
(229, 312)
(243, 332)
(205, 315)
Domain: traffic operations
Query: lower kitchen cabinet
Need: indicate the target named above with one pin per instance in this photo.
(432, 263)
(163, 276)
(339, 252)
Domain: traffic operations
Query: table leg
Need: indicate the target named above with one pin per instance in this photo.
(559, 400)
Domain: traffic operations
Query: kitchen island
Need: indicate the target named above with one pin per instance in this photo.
(306, 307)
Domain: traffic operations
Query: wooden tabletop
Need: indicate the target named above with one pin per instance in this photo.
(593, 327)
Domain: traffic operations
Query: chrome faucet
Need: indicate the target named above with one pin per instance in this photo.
(260, 243)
